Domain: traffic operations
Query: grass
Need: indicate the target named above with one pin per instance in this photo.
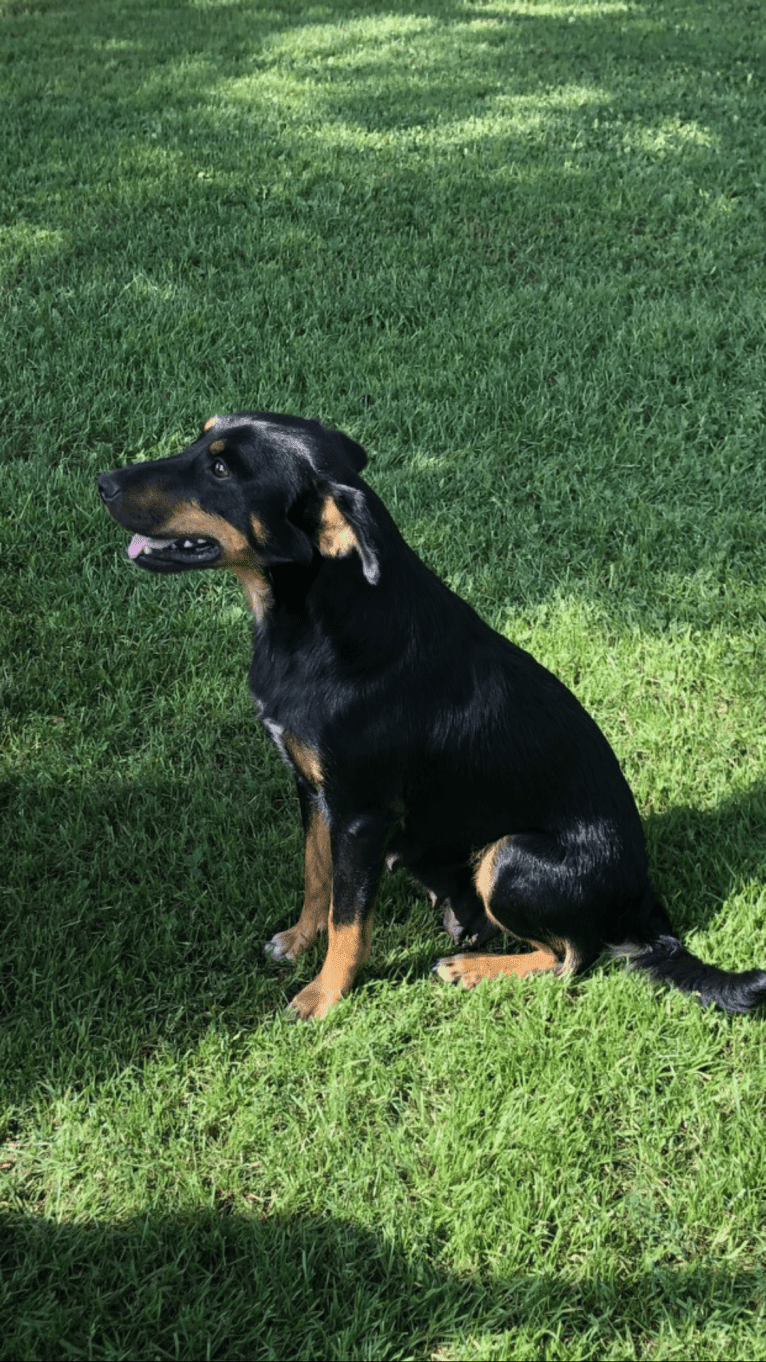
(517, 250)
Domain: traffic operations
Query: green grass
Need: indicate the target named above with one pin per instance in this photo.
(518, 251)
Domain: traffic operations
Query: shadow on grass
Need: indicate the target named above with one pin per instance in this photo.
(700, 857)
(227, 1285)
(421, 77)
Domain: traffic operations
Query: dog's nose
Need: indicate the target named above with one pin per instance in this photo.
(108, 486)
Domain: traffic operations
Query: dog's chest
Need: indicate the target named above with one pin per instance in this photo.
(299, 754)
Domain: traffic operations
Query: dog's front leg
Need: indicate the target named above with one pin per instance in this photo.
(358, 848)
(288, 945)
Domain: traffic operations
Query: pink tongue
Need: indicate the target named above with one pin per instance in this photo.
(137, 544)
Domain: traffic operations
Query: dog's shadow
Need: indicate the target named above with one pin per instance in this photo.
(699, 858)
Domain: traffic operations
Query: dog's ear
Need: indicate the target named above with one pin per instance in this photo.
(331, 518)
(336, 443)
(345, 527)
(356, 456)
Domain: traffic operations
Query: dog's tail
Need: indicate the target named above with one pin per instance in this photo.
(667, 959)
(662, 955)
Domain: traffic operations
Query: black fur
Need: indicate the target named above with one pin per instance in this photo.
(418, 736)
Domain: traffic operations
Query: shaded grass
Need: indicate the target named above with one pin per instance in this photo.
(517, 251)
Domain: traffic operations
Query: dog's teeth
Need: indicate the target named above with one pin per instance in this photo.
(188, 544)
(201, 541)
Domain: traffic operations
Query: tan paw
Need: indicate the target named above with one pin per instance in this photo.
(460, 969)
(286, 945)
(315, 1000)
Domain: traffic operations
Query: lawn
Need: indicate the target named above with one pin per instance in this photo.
(517, 249)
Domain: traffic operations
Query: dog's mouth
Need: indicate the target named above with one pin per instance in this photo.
(173, 555)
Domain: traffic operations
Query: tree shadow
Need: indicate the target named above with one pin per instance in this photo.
(228, 1284)
(233, 216)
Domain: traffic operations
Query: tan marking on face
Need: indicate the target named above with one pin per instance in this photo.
(258, 593)
(349, 947)
(305, 758)
(470, 970)
(211, 420)
(148, 501)
(217, 447)
(316, 895)
(336, 537)
(188, 517)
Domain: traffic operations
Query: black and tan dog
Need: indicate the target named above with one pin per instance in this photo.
(417, 736)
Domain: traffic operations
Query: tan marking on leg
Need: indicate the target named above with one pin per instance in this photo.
(470, 970)
(336, 537)
(259, 529)
(572, 959)
(217, 447)
(349, 947)
(484, 874)
(316, 895)
(258, 593)
(305, 758)
(211, 420)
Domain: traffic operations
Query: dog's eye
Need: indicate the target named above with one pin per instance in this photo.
(220, 470)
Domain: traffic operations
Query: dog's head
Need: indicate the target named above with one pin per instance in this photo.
(253, 491)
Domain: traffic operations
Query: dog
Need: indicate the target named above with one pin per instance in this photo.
(417, 736)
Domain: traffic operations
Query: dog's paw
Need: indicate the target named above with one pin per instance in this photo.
(450, 921)
(286, 945)
(459, 969)
(315, 1000)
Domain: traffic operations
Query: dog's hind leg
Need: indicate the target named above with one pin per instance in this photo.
(470, 970)
(526, 890)
(288, 945)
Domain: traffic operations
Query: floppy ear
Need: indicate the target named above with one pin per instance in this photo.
(356, 456)
(333, 519)
(345, 527)
(342, 446)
